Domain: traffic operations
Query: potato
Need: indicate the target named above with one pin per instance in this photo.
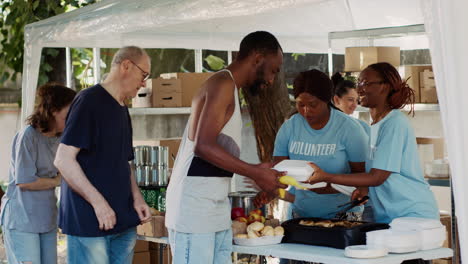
(279, 231)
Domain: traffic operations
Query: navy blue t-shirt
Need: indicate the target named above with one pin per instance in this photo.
(101, 128)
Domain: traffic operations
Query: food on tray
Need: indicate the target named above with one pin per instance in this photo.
(329, 223)
(257, 229)
(279, 231)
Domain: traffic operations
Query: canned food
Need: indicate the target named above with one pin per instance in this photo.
(139, 176)
(163, 156)
(162, 176)
(153, 156)
(154, 176)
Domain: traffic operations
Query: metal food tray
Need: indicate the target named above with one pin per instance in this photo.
(336, 237)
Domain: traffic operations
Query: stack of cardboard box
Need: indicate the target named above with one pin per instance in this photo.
(176, 89)
(421, 79)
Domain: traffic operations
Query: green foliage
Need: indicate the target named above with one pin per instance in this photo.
(14, 16)
(215, 63)
(297, 55)
(350, 77)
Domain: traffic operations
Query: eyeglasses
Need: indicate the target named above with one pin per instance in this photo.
(365, 84)
(146, 75)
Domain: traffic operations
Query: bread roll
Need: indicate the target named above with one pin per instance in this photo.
(268, 231)
(279, 231)
(255, 226)
(241, 236)
(252, 234)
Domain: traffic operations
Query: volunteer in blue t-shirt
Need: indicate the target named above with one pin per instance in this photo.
(346, 99)
(396, 184)
(324, 135)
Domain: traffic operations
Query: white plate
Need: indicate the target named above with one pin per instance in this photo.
(260, 241)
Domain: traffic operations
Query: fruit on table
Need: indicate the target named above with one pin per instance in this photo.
(256, 211)
(237, 212)
(288, 180)
(241, 219)
(254, 218)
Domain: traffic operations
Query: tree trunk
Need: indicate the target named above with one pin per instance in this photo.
(268, 110)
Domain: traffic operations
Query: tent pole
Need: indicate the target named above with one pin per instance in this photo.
(97, 64)
(198, 60)
(68, 68)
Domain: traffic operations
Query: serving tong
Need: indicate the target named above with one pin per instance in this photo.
(341, 214)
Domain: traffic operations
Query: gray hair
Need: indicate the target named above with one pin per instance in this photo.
(132, 53)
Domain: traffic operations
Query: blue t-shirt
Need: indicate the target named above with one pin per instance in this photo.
(341, 141)
(101, 128)
(364, 125)
(405, 192)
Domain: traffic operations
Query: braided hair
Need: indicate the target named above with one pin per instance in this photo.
(400, 93)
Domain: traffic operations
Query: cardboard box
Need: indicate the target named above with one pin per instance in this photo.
(141, 246)
(358, 58)
(187, 84)
(142, 258)
(427, 87)
(172, 143)
(438, 145)
(170, 99)
(411, 73)
(155, 228)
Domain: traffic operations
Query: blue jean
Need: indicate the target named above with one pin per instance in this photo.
(196, 248)
(111, 249)
(24, 247)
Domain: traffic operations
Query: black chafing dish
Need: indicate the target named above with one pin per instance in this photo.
(336, 236)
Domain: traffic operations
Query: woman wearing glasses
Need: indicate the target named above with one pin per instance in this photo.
(393, 178)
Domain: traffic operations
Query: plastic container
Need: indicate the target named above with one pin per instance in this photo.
(365, 251)
(300, 170)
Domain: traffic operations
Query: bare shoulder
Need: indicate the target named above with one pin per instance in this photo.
(221, 83)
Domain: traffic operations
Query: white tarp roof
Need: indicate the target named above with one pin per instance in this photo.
(300, 25)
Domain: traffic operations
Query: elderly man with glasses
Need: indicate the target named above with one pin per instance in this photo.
(101, 204)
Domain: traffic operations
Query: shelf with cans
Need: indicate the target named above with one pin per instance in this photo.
(151, 170)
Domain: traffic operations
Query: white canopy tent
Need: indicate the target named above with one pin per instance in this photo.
(300, 25)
